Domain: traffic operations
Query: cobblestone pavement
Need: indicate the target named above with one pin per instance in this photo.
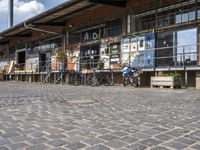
(38, 117)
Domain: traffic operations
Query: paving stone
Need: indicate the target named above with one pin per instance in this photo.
(98, 147)
(185, 141)
(196, 146)
(4, 141)
(119, 133)
(141, 136)
(69, 128)
(56, 136)
(76, 146)
(102, 131)
(176, 132)
(129, 139)
(115, 144)
(150, 142)
(160, 148)
(137, 147)
(38, 147)
(3, 148)
(175, 145)
(9, 134)
(163, 137)
(57, 142)
(38, 141)
(108, 137)
(17, 139)
(93, 141)
(17, 146)
(159, 129)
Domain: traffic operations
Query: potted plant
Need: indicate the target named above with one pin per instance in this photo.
(85, 67)
(100, 65)
(61, 59)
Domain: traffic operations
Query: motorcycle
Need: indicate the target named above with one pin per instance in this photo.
(131, 76)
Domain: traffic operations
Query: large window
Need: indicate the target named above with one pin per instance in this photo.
(89, 56)
(164, 51)
(177, 48)
(187, 47)
(114, 27)
(143, 21)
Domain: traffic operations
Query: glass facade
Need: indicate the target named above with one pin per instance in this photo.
(186, 47)
(164, 51)
(169, 15)
(177, 48)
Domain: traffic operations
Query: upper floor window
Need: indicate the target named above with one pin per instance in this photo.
(169, 15)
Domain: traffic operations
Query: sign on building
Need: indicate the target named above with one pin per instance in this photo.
(115, 53)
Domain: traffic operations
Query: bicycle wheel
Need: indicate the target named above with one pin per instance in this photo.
(125, 81)
(134, 81)
(94, 81)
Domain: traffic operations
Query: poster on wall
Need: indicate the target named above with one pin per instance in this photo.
(141, 43)
(115, 53)
(150, 41)
(104, 54)
(32, 63)
(125, 50)
(134, 45)
(143, 59)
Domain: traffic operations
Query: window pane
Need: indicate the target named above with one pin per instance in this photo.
(178, 18)
(185, 17)
(198, 13)
(192, 15)
(187, 44)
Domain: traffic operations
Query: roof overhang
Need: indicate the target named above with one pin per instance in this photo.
(57, 16)
(53, 17)
(119, 3)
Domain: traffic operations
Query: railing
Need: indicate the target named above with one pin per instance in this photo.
(174, 56)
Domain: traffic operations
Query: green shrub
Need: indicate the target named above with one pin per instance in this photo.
(100, 64)
(174, 74)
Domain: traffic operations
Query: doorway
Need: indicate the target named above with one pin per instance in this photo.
(21, 59)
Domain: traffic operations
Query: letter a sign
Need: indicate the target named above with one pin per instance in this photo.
(86, 37)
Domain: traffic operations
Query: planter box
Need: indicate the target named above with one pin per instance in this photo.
(171, 82)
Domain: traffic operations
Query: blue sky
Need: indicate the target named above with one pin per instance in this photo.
(24, 9)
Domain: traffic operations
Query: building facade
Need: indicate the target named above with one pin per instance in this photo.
(158, 36)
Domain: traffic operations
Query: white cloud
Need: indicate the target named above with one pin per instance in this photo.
(22, 10)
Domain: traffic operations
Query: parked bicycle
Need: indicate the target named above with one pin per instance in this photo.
(102, 78)
(131, 76)
(75, 78)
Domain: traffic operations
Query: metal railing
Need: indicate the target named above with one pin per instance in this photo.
(174, 56)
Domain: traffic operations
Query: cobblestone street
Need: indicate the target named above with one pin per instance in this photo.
(40, 117)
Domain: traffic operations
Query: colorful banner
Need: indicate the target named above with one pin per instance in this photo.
(142, 59)
(150, 41)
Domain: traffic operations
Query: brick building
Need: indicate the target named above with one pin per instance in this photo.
(158, 36)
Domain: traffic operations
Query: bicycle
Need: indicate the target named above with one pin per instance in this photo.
(75, 78)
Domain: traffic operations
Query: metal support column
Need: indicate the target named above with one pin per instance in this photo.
(10, 20)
